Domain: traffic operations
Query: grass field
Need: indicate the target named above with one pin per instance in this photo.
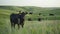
(48, 24)
(33, 27)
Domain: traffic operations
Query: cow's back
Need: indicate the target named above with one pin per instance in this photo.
(14, 18)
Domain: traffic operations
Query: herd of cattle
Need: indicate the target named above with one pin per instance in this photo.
(19, 19)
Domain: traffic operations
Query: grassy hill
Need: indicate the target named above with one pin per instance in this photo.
(36, 10)
(48, 25)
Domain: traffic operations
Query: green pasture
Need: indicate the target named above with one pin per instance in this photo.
(47, 25)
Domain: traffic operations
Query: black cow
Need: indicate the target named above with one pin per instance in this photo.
(29, 19)
(51, 14)
(39, 19)
(17, 19)
(31, 13)
(26, 12)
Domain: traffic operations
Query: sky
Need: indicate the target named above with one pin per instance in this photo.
(38, 3)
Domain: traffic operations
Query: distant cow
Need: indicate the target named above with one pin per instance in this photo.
(29, 19)
(26, 12)
(51, 14)
(30, 12)
(39, 19)
(17, 19)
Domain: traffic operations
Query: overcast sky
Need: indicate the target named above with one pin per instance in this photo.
(39, 3)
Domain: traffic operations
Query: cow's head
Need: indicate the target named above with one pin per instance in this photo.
(24, 13)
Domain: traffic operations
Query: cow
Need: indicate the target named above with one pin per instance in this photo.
(39, 19)
(29, 19)
(26, 12)
(17, 19)
(31, 13)
(51, 14)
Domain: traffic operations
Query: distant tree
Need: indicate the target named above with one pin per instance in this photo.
(39, 13)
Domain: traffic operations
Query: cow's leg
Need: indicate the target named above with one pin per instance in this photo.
(18, 26)
(14, 25)
(22, 25)
(18, 23)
